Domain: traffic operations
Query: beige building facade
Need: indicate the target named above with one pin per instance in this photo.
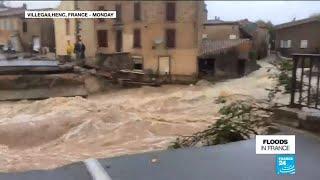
(221, 30)
(161, 35)
(24, 31)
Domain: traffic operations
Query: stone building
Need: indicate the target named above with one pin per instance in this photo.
(220, 30)
(299, 36)
(225, 50)
(161, 37)
(25, 33)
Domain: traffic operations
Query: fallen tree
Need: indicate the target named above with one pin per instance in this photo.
(239, 120)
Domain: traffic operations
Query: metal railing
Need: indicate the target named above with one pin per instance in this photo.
(305, 81)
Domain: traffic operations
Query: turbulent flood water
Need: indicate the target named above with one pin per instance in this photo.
(53, 132)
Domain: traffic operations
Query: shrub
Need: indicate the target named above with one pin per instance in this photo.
(239, 120)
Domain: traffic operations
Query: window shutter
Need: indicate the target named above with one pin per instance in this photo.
(137, 11)
(118, 10)
(137, 38)
(289, 44)
(101, 8)
(304, 44)
(171, 11)
(171, 38)
(25, 26)
(67, 27)
(102, 38)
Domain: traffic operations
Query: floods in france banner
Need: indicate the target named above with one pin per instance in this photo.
(71, 14)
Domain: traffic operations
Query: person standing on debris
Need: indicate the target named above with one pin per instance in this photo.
(70, 49)
(79, 50)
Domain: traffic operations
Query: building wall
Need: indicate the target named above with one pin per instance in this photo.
(42, 28)
(189, 18)
(308, 31)
(221, 32)
(61, 37)
(35, 27)
(9, 23)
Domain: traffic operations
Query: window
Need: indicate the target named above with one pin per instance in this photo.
(10, 25)
(101, 8)
(304, 44)
(137, 38)
(285, 43)
(6, 25)
(170, 38)
(137, 11)
(232, 36)
(118, 10)
(137, 63)
(102, 36)
(204, 36)
(171, 11)
(24, 27)
(67, 27)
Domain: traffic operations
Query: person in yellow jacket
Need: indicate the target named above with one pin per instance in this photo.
(70, 49)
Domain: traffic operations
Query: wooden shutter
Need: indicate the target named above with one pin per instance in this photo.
(67, 27)
(171, 38)
(118, 10)
(136, 38)
(102, 38)
(101, 8)
(137, 11)
(24, 26)
(171, 11)
(118, 40)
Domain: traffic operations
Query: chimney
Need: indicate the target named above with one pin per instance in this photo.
(24, 6)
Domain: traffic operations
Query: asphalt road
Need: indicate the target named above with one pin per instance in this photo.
(233, 161)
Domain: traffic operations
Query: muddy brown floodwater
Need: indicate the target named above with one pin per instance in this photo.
(53, 132)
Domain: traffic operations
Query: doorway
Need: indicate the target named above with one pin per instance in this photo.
(206, 67)
(164, 65)
(36, 43)
(241, 67)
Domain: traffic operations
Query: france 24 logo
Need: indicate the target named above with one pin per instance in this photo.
(285, 164)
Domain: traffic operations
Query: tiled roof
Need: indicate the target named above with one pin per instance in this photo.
(219, 22)
(12, 11)
(213, 47)
(9, 11)
(297, 22)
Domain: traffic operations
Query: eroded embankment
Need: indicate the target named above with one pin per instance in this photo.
(56, 131)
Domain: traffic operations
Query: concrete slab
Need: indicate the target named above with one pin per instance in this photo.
(38, 86)
(305, 118)
(75, 171)
(27, 62)
(223, 162)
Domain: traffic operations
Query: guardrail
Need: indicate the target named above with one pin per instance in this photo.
(305, 81)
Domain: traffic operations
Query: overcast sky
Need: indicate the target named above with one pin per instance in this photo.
(275, 11)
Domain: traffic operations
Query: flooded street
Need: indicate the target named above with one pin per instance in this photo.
(53, 132)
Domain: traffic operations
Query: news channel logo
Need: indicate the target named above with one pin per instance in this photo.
(283, 146)
(285, 164)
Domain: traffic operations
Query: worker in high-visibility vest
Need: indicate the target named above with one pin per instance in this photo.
(69, 49)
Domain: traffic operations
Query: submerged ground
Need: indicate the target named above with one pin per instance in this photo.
(49, 133)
